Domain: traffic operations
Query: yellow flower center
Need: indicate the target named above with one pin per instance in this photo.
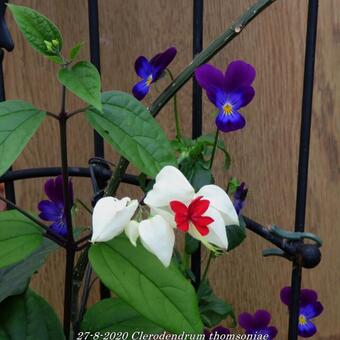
(227, 109)
(149, 80)
(302, 320)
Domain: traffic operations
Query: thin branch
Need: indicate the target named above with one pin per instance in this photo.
(53, 115)
(83, 239)
(73, 113)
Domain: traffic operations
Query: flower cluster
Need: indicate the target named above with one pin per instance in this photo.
(173, 204)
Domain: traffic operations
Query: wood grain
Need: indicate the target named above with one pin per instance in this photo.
(264, 154)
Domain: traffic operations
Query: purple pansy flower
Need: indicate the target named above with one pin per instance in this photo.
(309, 309)
(228, 92)
(210, 335)
(257, 324)
(151, 71)
(52, 210)
(240, 196)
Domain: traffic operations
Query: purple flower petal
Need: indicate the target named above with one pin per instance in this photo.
(286, 295)
(238, 74)
(220, 330)
(272, 332)
(246, 96)
(312, 310)
(59, 227)
(307, 329)
(161, 61)
(141, 89)
(245, 320)
(143, 67)
(240, 196)
(211, 79)
(237, 99)
(58, 189)
(50, 211)
(206, 333)
(308, 296)
(50, 191)
(261, 319)
(230, 122)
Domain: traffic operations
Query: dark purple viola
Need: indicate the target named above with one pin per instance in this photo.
(228, 92)
(219, 330)
(240, 196)
(257, 324)
(151, 71)
(52, 210)
(310, 308)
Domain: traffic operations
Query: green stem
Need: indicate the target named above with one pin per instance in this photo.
(214, 149)
(117, 177)
(203, 57)
(185, 261)
(207, 267)
(177, 121)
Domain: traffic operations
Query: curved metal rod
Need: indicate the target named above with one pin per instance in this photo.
(14, 175)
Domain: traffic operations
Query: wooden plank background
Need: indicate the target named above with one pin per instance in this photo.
(264, 154)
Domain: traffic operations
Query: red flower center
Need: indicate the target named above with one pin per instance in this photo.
(193, 213)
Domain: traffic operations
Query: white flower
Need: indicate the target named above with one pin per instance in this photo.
(203, 214)
(110, 216)
(156, 235)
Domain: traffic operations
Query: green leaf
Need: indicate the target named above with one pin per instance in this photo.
(75, 50)
(18, 122)
(162, 295)
(197, 173)
(37, 29)
(15, 278)
(114, 315)
(129, 127)
(236, 234)
(56, 59)
(233, 184)
(83, 80)
(213, 309)
(28, 316)
(19, 237)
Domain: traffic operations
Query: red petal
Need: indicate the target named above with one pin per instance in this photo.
(198, 206)
(183, 226)
(178, 207)
(203, 230)
(202, 220)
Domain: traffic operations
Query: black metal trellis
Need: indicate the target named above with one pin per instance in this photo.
(95, 59)
(290, 244)
(197, 112)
